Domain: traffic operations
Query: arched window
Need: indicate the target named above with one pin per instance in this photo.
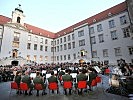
(18, 19)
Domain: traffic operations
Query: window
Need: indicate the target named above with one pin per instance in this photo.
(52, 49)
(57, 58)
(130, 50)
(73, 37)
(15, 44)
(91, 30)
(74, 56)
(123, 20)
(64, 57)
(36, 39)
(73, 44)
(35, 57)
(57, 48)
(114, 35)
(117, 51)
(80, 33)
(60, 47)
(82, 42)
(28, 45)
(64, 39)
(52, 42)
(93, 40)
(99, 28)
(46, 41)
(105, 52)
(35, 46)
(16, 37)
(94, 54)
(69, 45)
(29, 37)
(41, 58)
(126, 32)
(18, 19)
(69, 57)
(55, 42)
(60, 40)
(65, 47)
(0, 32)
(111, 24)
(28, 58)
(101, 38)
(46, 48)
(41, 41)
(69, 38)
(61, 57)
(46, 58)
(41, 47)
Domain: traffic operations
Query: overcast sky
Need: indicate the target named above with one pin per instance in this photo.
(55, 15)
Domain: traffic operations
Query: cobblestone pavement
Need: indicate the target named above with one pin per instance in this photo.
(98, 93)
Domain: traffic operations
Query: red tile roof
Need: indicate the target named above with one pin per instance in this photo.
(98, 17)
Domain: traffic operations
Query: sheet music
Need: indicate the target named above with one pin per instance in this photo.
(97, 69)
(73, 75)
(33, 75)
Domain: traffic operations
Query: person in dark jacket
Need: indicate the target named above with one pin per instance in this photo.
(67, 77)
(27, 79)
(38, 80)
(18, 80)
(53, 79)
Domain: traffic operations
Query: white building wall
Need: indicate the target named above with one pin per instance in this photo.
(110, 44)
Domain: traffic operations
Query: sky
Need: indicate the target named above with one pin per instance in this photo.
(56, 15)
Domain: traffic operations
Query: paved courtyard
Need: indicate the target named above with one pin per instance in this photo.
(97, 94)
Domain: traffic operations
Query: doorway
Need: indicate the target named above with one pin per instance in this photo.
(14, 63)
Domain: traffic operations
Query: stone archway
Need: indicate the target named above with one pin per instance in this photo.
(14, 63)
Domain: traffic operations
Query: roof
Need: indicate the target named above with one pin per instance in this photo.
(98, 17)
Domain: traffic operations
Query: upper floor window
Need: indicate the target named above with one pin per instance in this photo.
(114, 35)
(41, 47)
(82, 42)
(41, 40)
(80, 33)
(111, 24)
(60, 47)
(46, 48)
(69, 57)
(16, 36)
(46, 41)
(28, 45)
(99, 28)
(123, 20)
(73, 44)
(52, 49)
(130, 50)
(29, 37)
(64, 57)
(35, 46)
(36, 39)
(117, 51)
(64, 39)
(91, 30)
(69, 38)
(94, 54)
(74, 56)
(105, 53)
(52, 42)
(18, 19)
(93, 40)
(57, 48)
(69, 45)
(65, 47)
(73, 37)
(126, 32)
(60, 40)
(101, 39)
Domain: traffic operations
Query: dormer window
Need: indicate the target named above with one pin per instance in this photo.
(18, 19)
